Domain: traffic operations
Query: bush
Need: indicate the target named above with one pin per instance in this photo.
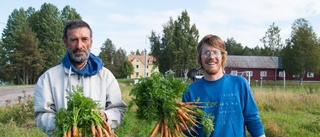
(21, 112)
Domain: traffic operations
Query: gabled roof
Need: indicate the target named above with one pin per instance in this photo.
(267, 62)
(141, 58)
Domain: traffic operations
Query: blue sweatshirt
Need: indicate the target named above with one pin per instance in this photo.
(235, 109)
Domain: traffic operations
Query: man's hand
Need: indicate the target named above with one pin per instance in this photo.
(104, 116)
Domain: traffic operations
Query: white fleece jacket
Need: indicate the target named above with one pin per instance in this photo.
(51, 90)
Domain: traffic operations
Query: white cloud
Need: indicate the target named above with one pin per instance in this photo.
(127, 23)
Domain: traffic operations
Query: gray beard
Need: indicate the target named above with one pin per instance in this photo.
(79, 59)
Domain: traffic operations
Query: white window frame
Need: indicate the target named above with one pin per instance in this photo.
(234, 72)
(249, 73)
(310, 74)
(263, 73)
(282, 74)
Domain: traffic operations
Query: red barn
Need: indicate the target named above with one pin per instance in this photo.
(261, 67)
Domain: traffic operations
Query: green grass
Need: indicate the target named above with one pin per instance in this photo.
(133, 127)
(291, 111)
(11, 129)
(16, 120)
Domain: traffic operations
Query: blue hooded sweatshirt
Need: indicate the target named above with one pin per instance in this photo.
(92, 67)
(235, 107)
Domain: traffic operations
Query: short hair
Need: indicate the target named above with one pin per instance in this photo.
(72, 24)
(216, 42)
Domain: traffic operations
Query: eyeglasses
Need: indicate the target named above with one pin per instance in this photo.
(215, 53)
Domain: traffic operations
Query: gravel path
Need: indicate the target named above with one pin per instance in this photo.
(12, 93)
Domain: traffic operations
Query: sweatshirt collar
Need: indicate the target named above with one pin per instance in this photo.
(93, 66)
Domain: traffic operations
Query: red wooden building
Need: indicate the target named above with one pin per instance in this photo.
(261, 67)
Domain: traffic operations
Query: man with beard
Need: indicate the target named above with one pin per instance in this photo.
(78, 67)
(235, 109)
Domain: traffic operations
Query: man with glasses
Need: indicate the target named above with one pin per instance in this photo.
(235, 109)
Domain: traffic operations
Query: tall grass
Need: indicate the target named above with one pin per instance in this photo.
(291, 111)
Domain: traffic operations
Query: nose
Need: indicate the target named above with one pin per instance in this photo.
(211, 55)
(79, 44)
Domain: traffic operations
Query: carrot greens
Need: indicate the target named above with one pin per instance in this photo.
(81, 117)
(158, 99)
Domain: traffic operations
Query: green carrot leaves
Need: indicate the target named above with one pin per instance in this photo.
(80, 115)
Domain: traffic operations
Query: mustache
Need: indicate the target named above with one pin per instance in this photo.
(79, 50)
(211, 60)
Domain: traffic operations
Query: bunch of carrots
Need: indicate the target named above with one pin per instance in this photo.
(185, 119)
(81, 118)
(157, 100)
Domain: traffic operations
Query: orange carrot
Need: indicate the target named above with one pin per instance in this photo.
(108, 128)
(184, 124)
(189, 111)
(75, 131)
(105, 132)
(177, 127)
(175, 133)
(93, 130)
(69, 133)
(184, 116)
(165, 128)
(155, 129)
(99, 131)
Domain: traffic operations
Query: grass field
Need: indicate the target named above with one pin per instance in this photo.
(290, 111)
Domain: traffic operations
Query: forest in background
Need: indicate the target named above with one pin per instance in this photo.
(174, 48)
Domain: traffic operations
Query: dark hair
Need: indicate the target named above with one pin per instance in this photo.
(214, 41)
(72, 24)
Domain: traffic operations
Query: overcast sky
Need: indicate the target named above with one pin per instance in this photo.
(128, 23)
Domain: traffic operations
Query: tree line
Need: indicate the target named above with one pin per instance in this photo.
(175, 48)
(32, 43)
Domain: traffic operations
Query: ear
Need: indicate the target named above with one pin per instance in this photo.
(65, 42)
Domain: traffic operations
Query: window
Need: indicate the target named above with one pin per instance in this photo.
(310, 75)
(234, 72)
(137, 66)
(263, 73)
(282, 74)
(137, 74)
(137, 60)
(296, 75)
(249, 73)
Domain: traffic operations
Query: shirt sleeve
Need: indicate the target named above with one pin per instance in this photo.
(115, 107)
(44, 107)
(251, 114)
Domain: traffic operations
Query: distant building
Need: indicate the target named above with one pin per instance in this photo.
(142, 65)
(261, 67)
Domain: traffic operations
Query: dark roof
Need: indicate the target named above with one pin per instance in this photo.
(267, 62)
